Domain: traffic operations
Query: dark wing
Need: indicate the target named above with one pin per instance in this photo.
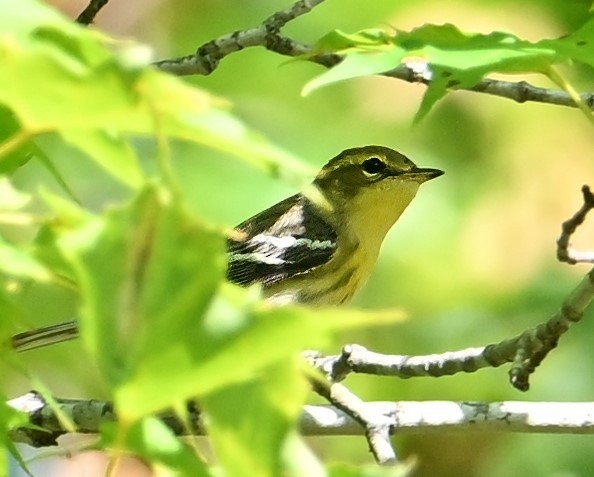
(274, 244)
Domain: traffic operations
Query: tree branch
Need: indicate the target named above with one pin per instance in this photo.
(525, 350)
(208, 56)
(377, 426)
(87, 16)
(317, 420)
(565, 253)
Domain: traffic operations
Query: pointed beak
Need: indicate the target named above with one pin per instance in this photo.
(420, 175)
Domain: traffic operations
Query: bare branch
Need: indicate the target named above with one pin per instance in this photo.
(207, 58)
(87, 16)
(565, 253)
(377, 426)
(526, 351)
(403, 417)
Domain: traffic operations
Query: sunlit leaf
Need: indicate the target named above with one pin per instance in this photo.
(250, 422)
(152, 440)
(10, 419)
(111, 151)
(147, 272)
(92, 94)
(340, 42)
(357, 65)
(20, 263)
(235, 340)
(404, 469)
(455, 58)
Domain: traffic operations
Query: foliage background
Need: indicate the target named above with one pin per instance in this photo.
(472, 261)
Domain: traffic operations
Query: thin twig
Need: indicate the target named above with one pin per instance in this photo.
(378, 427)
(87, 16)
(565, 253)
(208, 56)
(525, 351)
(531, 345)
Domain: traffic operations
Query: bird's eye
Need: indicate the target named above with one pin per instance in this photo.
(373, 166)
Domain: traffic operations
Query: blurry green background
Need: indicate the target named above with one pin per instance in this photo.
(472, 260)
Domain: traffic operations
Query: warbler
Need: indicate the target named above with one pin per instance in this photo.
(317, 247)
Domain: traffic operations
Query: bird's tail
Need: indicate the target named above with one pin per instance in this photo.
(46, 336)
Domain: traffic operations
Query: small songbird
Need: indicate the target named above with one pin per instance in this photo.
(320, 248)
(317, 247)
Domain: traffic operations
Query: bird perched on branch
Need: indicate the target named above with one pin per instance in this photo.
(317, 247)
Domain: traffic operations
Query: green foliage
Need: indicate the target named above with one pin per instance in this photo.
(151, 439)
(80, 110)
(9, 420)
(148, 275)
(454, 58)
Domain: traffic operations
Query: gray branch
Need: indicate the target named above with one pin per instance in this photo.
(207, 57)
(525, 350)
(88, 15)
(566, 253)
(376, 425)
(325, 420)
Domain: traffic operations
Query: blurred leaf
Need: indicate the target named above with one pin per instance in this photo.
(19, 263)
(152, 440)
(20, 155)
(250, 422)
(146, 271)
(44, 158)
(10, 419)
(300, 460)
(68, 216)
(11, 198)
(111, 151)
(8, 312)
(88, 93)
(235, 340)
(404, 469)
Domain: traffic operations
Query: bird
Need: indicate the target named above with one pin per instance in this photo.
(317, 247)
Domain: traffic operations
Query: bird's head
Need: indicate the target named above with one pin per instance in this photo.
(369, 187)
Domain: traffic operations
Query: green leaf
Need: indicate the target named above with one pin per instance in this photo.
(578, 46)
(147, 272)
(404, 469)
(249, 423)
(20, 155)
(235, 340)
(152, 440)
(111, 151)
(458, 59)
(455, 58)
(9, 313)
(19, 263)
(341, 43)
(299, 459)
(11, 199)
(10, 419)
(357, 65)
(94, 95)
